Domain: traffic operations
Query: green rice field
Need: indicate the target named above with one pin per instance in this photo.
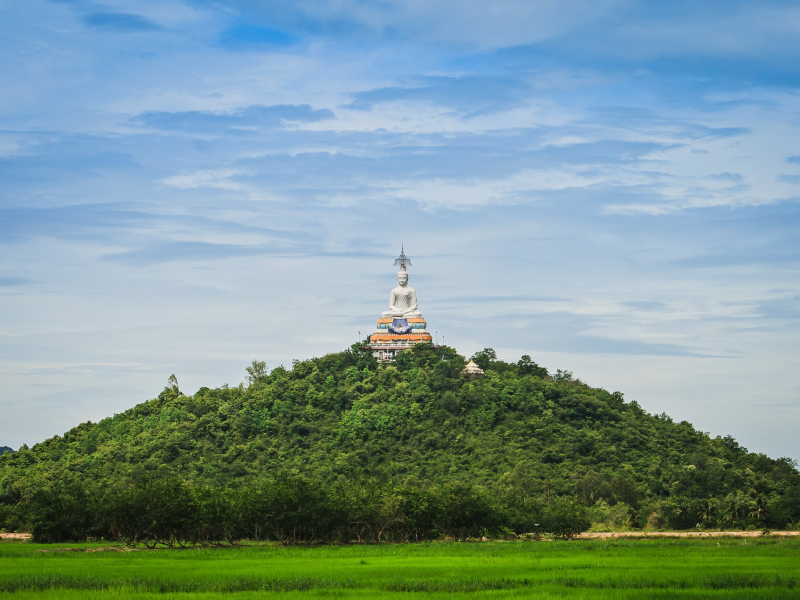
(765, 567)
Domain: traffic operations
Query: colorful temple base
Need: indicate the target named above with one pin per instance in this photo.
(396, 335)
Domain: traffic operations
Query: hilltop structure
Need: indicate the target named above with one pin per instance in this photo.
(402, 325)
(472, 370)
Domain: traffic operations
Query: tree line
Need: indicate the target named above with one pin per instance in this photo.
(288, 508)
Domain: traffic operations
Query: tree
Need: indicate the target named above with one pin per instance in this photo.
(172, 383)
(484, 358)
(60, 513)
(565, 518)
(562, 376)
(153, 511)
(587, 487)
(735, 507)
(708, 510)
(466, 511)
(516, 494)
(257, 373)
(526, 366)
(758, 508)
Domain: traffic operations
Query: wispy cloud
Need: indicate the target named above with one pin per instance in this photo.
(119, 22)
(220, 178)
(180, 251)
(249, 117)
(13, 281)
(470, 95)
(245, 34)
(93, 221)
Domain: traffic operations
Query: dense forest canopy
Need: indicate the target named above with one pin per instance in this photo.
(519, 439)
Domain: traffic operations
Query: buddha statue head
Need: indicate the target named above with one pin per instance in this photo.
(402, 278)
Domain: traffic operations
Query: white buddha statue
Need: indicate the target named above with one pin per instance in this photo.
(403, 299)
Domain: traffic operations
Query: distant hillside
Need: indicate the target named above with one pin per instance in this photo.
(4, 449)
(418, 423)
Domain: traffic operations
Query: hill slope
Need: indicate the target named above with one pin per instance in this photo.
(418, 423)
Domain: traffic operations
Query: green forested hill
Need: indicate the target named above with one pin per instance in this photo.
(342, 420)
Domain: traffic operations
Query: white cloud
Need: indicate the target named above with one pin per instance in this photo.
(219, 178)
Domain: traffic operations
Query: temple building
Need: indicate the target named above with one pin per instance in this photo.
(402, 325)
(472, 371)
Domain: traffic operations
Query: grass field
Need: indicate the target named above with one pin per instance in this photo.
(666, 568)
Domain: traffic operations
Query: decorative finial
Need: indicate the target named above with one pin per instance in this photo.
(402, 260)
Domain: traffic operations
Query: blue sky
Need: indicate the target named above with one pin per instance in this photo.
(610, 186)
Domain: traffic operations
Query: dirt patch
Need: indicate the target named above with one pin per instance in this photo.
(15, 536)
(602, 535)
